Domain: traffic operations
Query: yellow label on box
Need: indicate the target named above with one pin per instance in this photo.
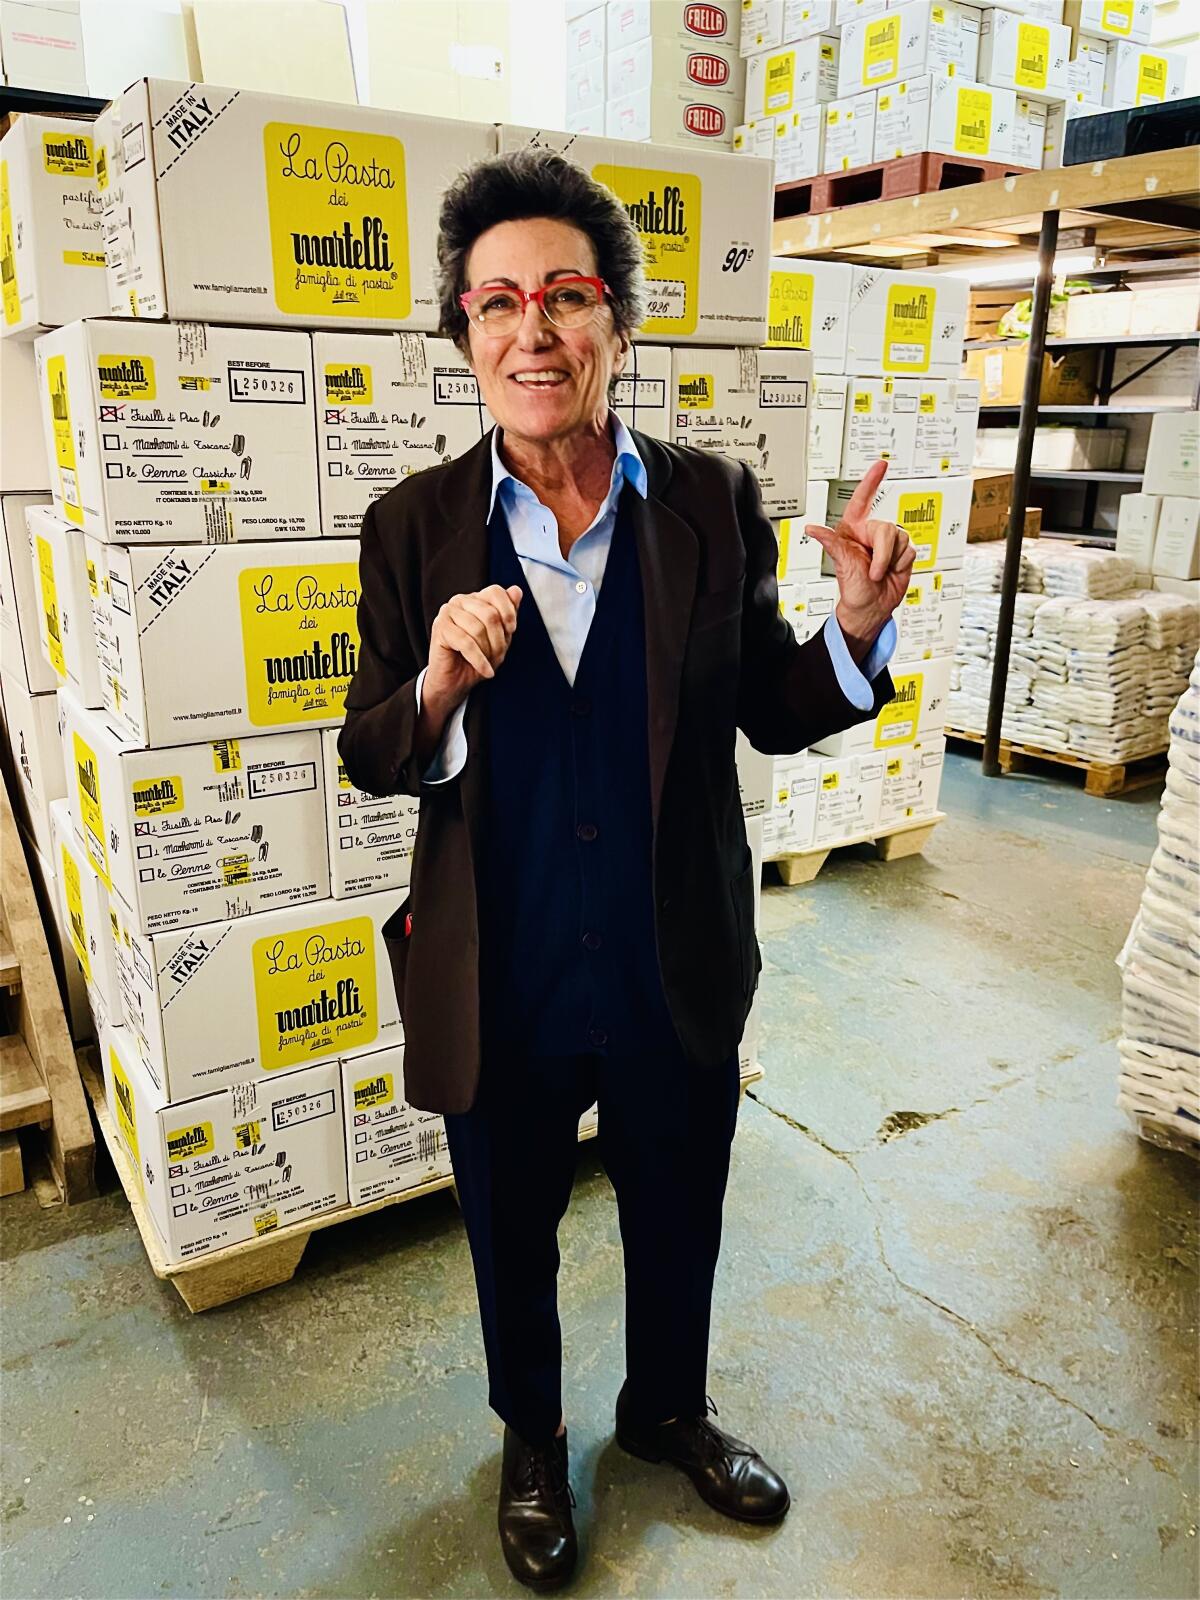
(185, 1144)
(928, 404)
(376, 1091)
(266, 1222)
(8, 253)
(920, 515)
(665, 208)
(73, 891)
(314, 991)
(338, 215)
(1151, 78)
(831, 781)
(54, 644)
(695, 391)
(247, 1134)
(832, 117)
(154, 797)
(87, 778)
(779, 81)
(126, 378)
(299, 640)
(102, 169)
(235, 870)
(1117, 17)
(898, 721)
(894, 767)
(862, 402)
(347, 384)
(908, 328)
(64, 438)
(789, 309)
(973, 122)
(227, 755)
(216, 486)
(881, 51)
(126, 1116)
(1033, 55)
(69, 155)
(83, 258)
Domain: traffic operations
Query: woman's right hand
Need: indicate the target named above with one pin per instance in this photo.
(470, 638)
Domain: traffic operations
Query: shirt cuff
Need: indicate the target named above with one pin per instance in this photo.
(451, 755)
(854, 680)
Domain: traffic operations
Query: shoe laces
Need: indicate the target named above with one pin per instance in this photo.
(546, 1473)
(717, 1444)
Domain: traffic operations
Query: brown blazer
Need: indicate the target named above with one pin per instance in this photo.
(719, 656)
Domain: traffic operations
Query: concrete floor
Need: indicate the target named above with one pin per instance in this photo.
(958, 1302)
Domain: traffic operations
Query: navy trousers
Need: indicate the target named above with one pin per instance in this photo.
(666, 1127)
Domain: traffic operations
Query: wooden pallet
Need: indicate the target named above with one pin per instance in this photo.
(254, 1264)
(39, 1085)
(891, 844)
(1101, 778)
(885, 180)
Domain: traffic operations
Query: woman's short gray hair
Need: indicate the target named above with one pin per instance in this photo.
(524, 184)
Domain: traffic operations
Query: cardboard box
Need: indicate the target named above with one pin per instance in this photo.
(642, 395)
(947, 423)
(218, 1004)
(907, 41)
(65, 581)
(371, 840)
(957, 117)
(707, 71)
(42, 45)
(235, 1165)
(1173, 459)
(51, 250)
(705, 223)
(769, 23)
(75, 996)
(1188, 587)
(276, 164)
(586, 38)
(754, 777)
(808, 605)
(1114, 19)
(1173, 379)
(852, 10)
(1055, 449)
(928, 621)
(906, 324)
(197, 832)
(260, 638)
(21, 654)
(755, 139)
(23, 466)
(585, 87)
(1067, 379)
(748, 1066)
(912, 779)
(799, 145)
(917, 714)
(849, 795)
(1137, 523)
(166, 433)
(1177, 539)
(631, 20)
(390, 1145)
(1058, 114)
(1099, 316)
(590, 122)
(751, 405)
(1033, 58)
(37, 756)
(83, 905)
(791, 822)
(1167, 308)
(673, 116)
(804, 73)
(849, 133)
(826, 426)
(881, 425)
(799, 555)
(933, 512)
(809, 309)
(1087, 69)
(389, 405)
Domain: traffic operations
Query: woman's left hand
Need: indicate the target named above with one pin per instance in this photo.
(872, 561)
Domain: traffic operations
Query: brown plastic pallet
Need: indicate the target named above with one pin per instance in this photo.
(886, 180)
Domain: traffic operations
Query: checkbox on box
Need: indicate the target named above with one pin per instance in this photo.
(110, 441)
(145, 874)
(345, 822)
(346, 844)
(362, 1155)
(113, 469)
(360, 1138)
(334, 469)
(145, 851)
(333, 441)
(345, 800)
(177, 1189)
(179, 1211)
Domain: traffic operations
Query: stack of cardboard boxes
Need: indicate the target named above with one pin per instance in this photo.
(834, 85)
(1159, 529)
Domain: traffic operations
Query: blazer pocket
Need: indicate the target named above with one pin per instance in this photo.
(720, 605)
(397, 943)
(741, 892)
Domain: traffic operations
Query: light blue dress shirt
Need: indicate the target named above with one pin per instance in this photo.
(565, 588)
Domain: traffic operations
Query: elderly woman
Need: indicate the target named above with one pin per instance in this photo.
(560, 633)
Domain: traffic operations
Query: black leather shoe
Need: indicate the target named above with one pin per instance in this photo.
(537, 1533)
(730, 1476)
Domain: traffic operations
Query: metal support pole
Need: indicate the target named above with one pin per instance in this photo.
(1030, 398)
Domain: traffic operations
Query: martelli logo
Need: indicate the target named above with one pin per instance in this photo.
(187, 1142)
(346, 384)
(123, 376)
(1033, 64)
(367, 250)
(711, 71)
(68, 150)
(59, 408)
(975, 130)
(345, 1001)
(157, 792)
(906, 695)
(708, 121)
(695, 389)
(373, 1092)
(88, 780)
(125, 1096)
(336, 658)
(923, 513)
(914, 310)
(710, 22)
(665, 216)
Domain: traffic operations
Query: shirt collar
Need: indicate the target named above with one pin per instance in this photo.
(627, 468)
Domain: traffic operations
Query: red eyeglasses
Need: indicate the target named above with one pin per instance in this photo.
(567, 303)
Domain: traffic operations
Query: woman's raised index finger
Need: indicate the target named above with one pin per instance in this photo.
(860, 500)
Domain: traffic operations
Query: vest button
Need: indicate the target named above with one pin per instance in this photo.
(581, 707)
(586, 831)
(592, 941)
(598, 1037)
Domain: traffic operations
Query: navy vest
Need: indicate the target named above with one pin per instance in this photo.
(569, 962)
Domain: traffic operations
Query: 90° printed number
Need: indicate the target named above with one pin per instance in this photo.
(736, 259)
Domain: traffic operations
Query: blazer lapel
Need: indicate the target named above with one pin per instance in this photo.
(668, 556)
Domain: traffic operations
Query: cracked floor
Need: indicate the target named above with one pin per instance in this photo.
(958, 1302)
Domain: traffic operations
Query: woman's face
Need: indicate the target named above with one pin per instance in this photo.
(579, 361)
